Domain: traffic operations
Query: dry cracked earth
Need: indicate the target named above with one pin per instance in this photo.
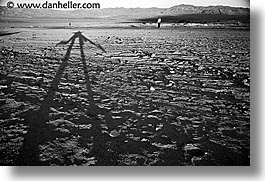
(156, 97)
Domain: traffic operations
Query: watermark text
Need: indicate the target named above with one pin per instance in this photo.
(54, 5)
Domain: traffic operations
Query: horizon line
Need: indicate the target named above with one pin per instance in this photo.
(119, 7)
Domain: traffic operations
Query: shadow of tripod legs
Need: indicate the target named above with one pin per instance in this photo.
(99, 139)
(39, 131)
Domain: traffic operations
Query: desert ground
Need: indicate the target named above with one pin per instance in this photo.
(169, 96)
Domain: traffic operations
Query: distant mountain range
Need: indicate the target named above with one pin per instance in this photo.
(131, 14)
(190, 9)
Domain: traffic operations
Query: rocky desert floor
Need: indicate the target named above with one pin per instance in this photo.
(156, 97)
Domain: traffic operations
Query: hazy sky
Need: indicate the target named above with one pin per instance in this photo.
(146, 3)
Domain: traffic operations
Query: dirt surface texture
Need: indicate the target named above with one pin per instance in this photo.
(155, 97)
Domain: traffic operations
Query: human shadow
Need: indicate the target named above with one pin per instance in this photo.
(99, 149)
(39, 131)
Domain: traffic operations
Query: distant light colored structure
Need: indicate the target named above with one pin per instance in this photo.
(159, 22)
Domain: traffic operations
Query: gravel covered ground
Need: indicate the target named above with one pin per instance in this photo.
(156, 97)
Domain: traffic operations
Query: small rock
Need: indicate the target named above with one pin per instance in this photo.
(114, 133)
(152, 88)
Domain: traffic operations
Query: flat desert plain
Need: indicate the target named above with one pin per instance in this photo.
(169, 96)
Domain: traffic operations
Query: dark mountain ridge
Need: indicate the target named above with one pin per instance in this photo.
(124, 13)
(190, 9)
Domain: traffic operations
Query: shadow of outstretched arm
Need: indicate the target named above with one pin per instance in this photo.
(91, 42)
(66, 42)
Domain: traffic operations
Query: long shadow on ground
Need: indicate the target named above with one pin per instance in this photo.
(39, 131)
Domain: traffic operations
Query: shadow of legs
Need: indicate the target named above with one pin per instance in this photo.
(39, 131)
